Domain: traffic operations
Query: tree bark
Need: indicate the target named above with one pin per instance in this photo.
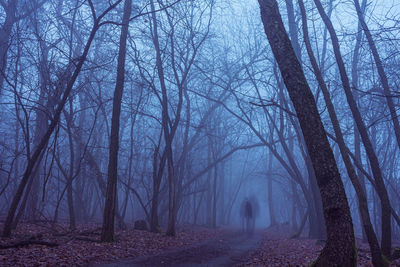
(340, 247)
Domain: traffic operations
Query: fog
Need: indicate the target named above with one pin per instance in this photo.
(176, 112)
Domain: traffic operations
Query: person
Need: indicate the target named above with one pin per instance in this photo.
(249, 216)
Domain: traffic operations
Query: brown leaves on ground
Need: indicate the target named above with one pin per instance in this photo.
(278, 250)
(80, 247)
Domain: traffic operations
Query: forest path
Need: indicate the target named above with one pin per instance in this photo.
(228, 250)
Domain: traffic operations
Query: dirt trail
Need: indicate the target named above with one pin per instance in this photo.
(228, 250)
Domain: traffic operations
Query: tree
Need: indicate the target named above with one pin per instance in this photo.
(360, 191)
(381, 71)
(13, 14)
(37, 152)
(369, 148)
(336, 210)
(107, 233)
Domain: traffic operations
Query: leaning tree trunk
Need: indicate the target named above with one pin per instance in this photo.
(369, 149)
(336, 210)
(107, 233)
(361, 194)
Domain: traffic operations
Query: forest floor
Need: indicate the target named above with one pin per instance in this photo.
(43, 245)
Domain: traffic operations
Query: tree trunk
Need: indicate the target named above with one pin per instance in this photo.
(107, 233)
(158, 170)
(214, 207)
(336, 210)
(373, 159)
(70, 177)
(169, 131)
(354, 80)
(41, 124)
(295, 206)
(272, 216)
(5, 33)
(361, 194)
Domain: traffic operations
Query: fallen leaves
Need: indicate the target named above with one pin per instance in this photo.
(78, 248)
(75, 251)
(277, 249)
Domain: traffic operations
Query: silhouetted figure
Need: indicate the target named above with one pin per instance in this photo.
(249, 210)
(249, 216)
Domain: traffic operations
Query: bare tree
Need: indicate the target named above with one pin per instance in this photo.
(361, 193)
(54, 121)
(373, 159)
(336, 210)
(107, 234)
(381, 71)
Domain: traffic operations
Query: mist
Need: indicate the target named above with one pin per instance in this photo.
(260, 118)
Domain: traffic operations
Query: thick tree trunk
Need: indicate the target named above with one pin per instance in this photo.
(107, 233)
(336, 210)
(370, 151)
